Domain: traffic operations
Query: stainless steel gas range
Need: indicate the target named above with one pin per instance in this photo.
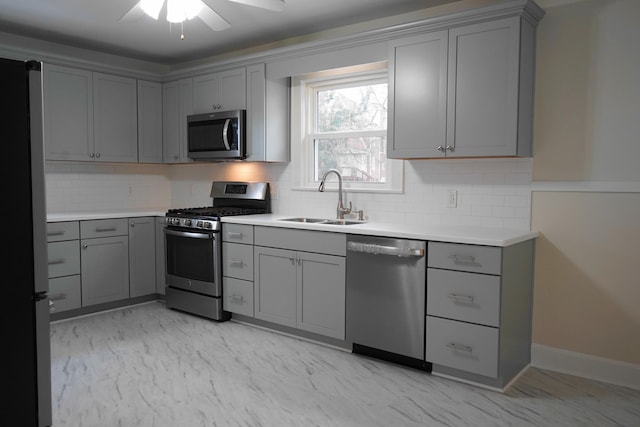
(193, 246)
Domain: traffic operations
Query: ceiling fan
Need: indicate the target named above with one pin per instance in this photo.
(182, 10)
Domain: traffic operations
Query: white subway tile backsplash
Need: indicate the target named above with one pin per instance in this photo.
(491, 192)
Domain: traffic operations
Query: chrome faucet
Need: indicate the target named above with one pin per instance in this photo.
(341, 210)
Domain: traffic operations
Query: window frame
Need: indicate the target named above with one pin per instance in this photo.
(303, 129)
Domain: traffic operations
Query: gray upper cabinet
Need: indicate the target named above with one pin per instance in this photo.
(177, 104)
(486, 79)
(115, 113)
(267, 116)
(89, 116)
(68, 113)
(418, 96)
(149, 122)
(142, 256)
(222, 91)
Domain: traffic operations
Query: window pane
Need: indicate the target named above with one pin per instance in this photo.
(355, 108)
(357, 159)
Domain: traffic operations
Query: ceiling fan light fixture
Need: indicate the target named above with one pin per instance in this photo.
(181, 10)
(152, 7)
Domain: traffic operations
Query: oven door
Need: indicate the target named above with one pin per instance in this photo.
(193, 261)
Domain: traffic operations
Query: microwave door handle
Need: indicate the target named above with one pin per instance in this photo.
(225, 139)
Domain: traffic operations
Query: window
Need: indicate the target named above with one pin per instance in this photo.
(342, 124)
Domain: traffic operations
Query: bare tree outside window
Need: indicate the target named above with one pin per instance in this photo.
(351, 130)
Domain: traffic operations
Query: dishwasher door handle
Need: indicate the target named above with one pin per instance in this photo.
(373, 249)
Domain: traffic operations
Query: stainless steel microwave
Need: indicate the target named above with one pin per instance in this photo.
(217, 136)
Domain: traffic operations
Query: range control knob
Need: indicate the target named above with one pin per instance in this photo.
(208, 225)
(187, 222)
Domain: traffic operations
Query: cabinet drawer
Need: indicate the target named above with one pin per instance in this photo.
(237, 261)
(469, 297)
(64, 258)
(463, 346)
(302, 240)
(58, 231)
(103, 228)
(64, 292)
(238, 296)
(237, 233)
(454, 256)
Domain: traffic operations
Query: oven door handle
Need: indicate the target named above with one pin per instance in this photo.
(207, 236)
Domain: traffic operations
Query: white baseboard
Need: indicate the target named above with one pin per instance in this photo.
(586, 366)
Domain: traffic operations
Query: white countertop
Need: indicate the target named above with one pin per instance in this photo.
(444, 233)
(82, 216)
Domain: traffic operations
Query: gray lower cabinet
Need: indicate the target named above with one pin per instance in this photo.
(104, 260)
(237, 269)
(64, 266)
(479, 308)
(160, 256)
(300, 279)
(142, 256)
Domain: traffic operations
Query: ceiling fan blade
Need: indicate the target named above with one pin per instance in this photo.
(274, 5)
(212, 19)
(133, 14)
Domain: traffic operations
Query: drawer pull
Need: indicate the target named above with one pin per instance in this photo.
(58, 261)
(57, 297)
(461, 298)
(236, 263)
(56, 233)
(460, 347)
(104, 230)
(235, 235)
(237, 298)
(464, 259)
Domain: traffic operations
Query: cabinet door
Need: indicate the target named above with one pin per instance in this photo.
(483, 89)
(149, 122)
(176, 105)
(321, 294)
(160, 257)
(115, 118)
(105, 269)
(223, 91)
(275, 285)
(142, 256)
(418, 96)
(68, 113)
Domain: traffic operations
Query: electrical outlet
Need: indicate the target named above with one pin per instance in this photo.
(452, 199)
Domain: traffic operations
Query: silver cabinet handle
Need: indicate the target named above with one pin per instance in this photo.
(56, 297)
(56, 233)
(369, 248)
(235, 235)
(52, 307)
(464, 298)
(460, 347)
(450, 148)
(104, 230)
(237, 298)
(440, 148)
(58, 261)
(236, 263)
(468, 259)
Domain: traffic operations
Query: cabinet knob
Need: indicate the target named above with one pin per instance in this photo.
(450, 148)
(85, 246)
(97, 155)
(440, 148)
(92, 155)
(133, 224)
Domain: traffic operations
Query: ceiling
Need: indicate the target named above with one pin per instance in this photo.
(96, 25)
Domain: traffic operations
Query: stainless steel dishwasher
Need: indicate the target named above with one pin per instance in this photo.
(386, 295)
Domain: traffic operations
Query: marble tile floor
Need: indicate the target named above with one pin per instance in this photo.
(150, 366)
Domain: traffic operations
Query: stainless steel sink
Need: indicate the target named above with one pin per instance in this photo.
(323, 221)
(342, 222)
(311, 220)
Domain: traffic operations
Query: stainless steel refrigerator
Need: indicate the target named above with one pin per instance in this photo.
(26, 378)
